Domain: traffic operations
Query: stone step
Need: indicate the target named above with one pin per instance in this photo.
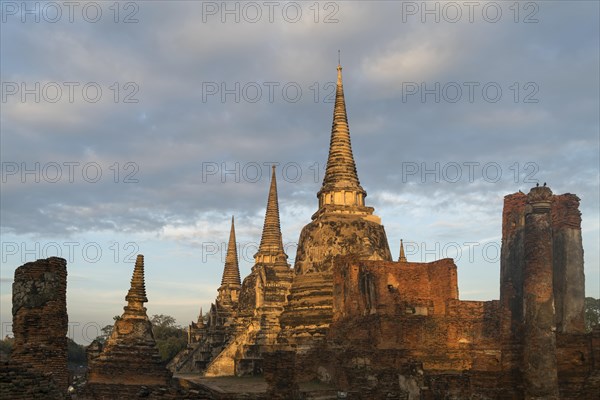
(322, 395)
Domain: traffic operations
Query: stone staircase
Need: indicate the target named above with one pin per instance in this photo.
(181, 360)
(321, 395)
(224, 363)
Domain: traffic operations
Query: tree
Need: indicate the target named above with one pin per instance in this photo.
(170, 337)
(163, 321)
(6, 346)
(76, 353)
(107, 331)
(592, 313)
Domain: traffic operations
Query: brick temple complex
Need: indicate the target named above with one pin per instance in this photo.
(346, 314)
(377, 328)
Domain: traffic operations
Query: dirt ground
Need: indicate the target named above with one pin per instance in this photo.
(250, 384)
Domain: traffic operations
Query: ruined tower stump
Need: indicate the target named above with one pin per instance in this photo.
(40, 320)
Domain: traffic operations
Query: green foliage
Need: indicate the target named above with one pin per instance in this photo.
(76, 353)
(170, 337)
(592, 313)
(6, 346)
(163, 321)
(107, 331)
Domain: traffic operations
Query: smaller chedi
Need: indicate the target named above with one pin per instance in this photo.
(243, 322)
(130, 356)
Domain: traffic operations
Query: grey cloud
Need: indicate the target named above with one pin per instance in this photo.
(171, 131)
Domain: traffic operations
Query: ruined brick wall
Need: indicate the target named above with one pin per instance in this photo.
(392, 288)
(280, 375)
(568, 275)
(567, 263)
(40, 320)
(416, 356)
(575, 359)
(511, 266)
(539, 368)
(558, 275)
(400, 330)
(512, 260)
(415, 306)
(20, 382)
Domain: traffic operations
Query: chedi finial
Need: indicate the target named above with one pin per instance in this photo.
(402, 257)
(136, 297)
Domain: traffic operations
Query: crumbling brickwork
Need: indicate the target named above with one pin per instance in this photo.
(512, 261)
(241, 328)
(540, 376)
(400, 331)
(394, 288)
(128, 365)
(397, 330)
(40, 320)
(21, 382)
(309, 310)
(542, 255)
(280, 375)
(129, 359)
(568, 275)
(342, 225)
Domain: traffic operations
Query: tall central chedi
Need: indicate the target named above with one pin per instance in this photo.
(342, 225)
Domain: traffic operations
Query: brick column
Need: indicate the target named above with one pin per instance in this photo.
(40, 320)
(569, 279)
(540, 378)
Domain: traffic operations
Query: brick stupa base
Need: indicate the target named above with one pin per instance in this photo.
(130, 355)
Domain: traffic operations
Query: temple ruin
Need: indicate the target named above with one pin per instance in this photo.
(400, 328)
(343, 224)
(243, 323)
(37, 368)
(345, 315)
(374, 328)
(128, 365)
(130, 355)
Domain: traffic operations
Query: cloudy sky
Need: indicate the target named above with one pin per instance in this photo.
(141, 127)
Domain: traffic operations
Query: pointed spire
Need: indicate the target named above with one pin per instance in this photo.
(200, 318)
(231, 272)
(340, 173)
(271, 242)
(402, 257)
(136, 297)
